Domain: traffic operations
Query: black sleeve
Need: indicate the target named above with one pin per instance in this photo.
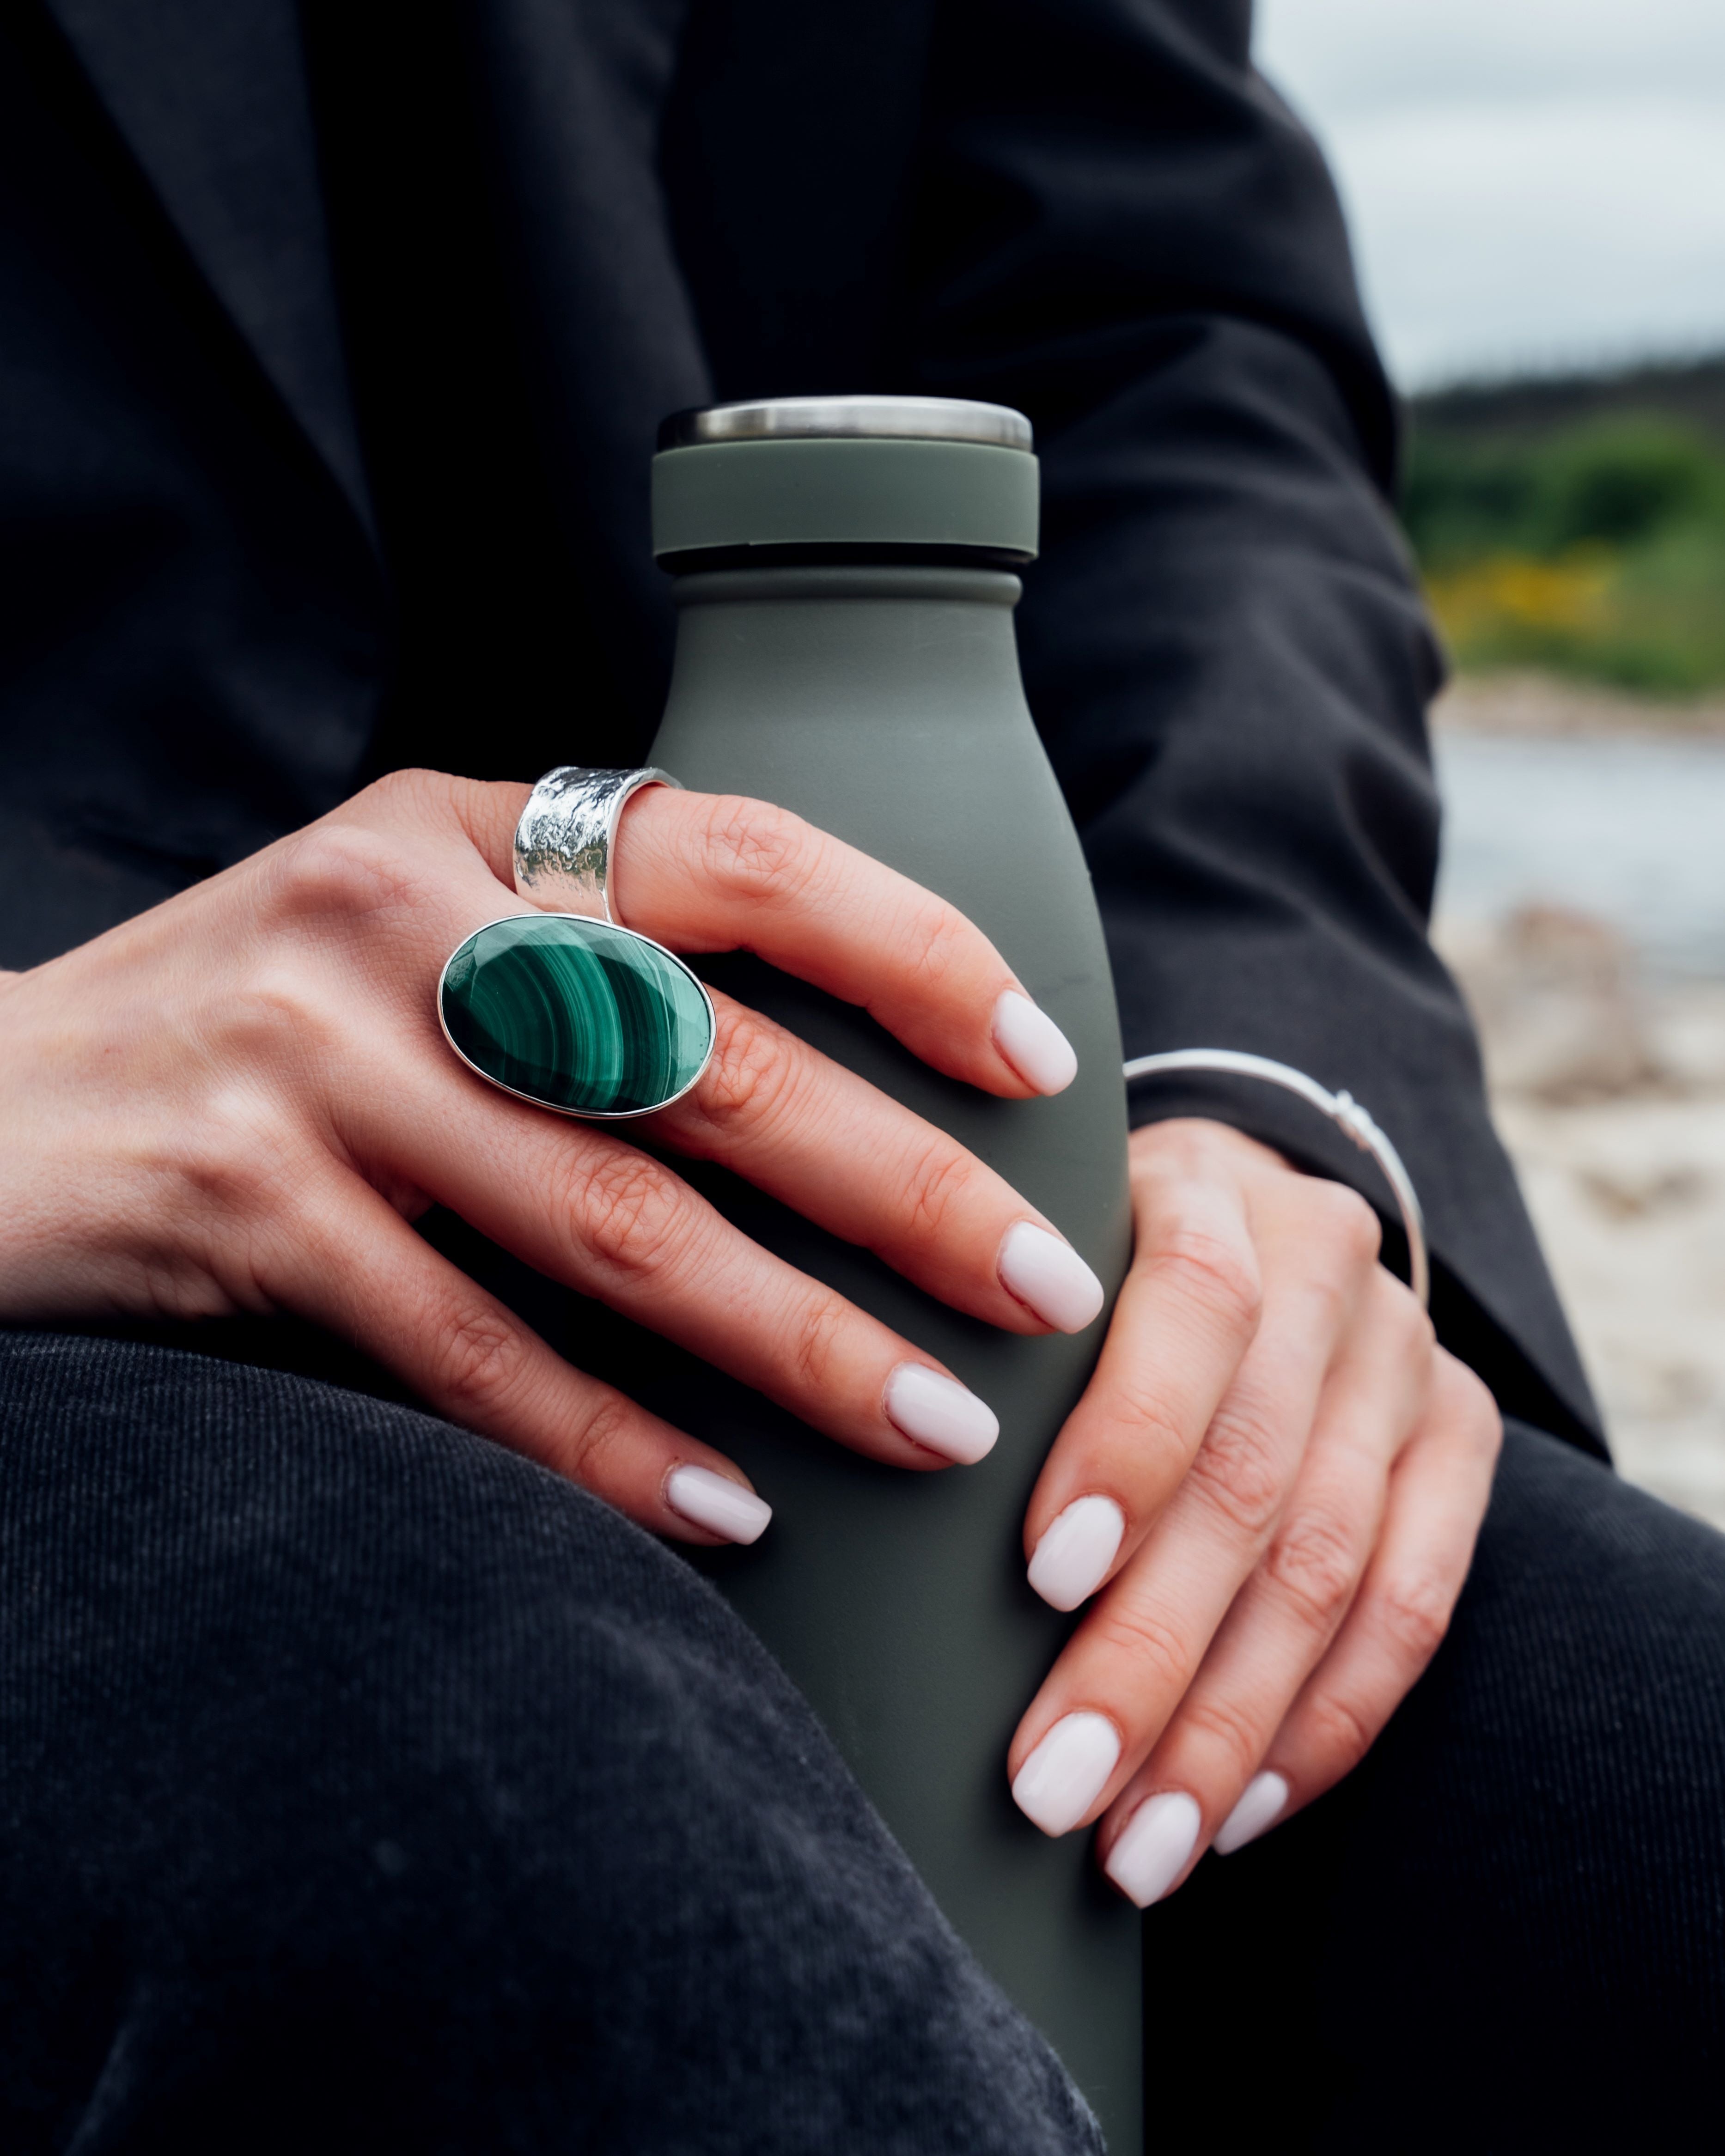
(1125, 233)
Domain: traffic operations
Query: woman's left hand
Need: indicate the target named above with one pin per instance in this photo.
(1271, 1488)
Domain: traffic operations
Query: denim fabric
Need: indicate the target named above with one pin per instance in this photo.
(366, 1787)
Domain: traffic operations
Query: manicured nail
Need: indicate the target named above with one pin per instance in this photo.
(717, 1503)
(933, 1410)
(1033, 1044)
(1076, 1550)
(1066, 1773)
(1260, 1807)
(1048, 1275)
(1159, 1839)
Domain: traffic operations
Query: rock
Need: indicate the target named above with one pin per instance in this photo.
(1559, 1005)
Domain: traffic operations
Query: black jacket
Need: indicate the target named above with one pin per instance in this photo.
(332, 345)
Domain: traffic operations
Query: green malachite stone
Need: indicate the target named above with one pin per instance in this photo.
(576, 1014)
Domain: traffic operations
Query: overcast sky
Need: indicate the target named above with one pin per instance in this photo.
(1530, 183)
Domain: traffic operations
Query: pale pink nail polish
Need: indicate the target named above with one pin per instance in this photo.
(1033, 1044)
(1067, 1771)
(1049, 1276)
(717, 1503)
(1156, 1846)
(1261, 1804)
(936, 1410)
(1076, 1550)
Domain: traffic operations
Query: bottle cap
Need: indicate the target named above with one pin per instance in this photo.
(844, 474)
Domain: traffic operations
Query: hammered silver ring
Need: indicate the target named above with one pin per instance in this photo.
(564, 840)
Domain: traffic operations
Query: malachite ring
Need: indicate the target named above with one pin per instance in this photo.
(578, 1016)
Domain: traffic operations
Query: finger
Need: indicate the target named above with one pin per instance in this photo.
(610, 1221)
(1135, 1655)
(1187, 1313)
(808, 1131)
(718, 872)
(596, 1214)
(1288, 1612)
(348, 1262)
(1438, 1494)
(789, 1119)
(1206, 1234)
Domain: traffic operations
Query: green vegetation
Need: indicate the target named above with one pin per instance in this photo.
(1590, 541)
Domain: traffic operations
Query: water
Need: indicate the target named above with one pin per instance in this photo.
(1631, 831)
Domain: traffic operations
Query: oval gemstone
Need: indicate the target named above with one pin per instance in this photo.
(580, 1015)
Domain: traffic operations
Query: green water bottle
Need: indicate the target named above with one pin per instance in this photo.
(846, 578)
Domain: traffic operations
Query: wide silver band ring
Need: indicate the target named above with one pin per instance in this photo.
(564, 840)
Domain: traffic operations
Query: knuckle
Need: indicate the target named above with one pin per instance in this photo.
(1147, 1638)
(752, 1067)
(1343, 1732)
(344, 869)
(477, 1363)
(1316, 1564)
(1399, 1310)
(275, 1010)
(751, 849)
(938, 1183)
(231, 1155)
(624, 1209)
(937, 941)
(1239, 1469)
(593, 1442)
(817, 1331)
(1209, 1270)
(1228, 1726)
(1473, 1409)
(1415, 1607)
(1346, 1223)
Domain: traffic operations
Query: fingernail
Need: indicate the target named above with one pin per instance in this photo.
(1076, 1551)
(1048, 1275)
(1260, 1807)
(717, 1503)
(936, 1410)
(1159, 1839)
(1033, 1044)
(1067, 1771)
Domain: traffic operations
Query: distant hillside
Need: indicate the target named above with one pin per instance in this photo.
(1693, 394)
(1576, 524)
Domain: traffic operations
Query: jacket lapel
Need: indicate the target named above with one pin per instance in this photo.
(211, 97)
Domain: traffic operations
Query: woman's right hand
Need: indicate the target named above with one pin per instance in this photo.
(240, 1099)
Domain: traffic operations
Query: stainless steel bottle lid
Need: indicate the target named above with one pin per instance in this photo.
(843, 472)
(848, 418)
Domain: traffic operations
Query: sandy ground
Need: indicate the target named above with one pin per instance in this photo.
(1610, 1091)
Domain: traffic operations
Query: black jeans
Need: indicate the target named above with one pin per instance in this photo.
(365, 1787)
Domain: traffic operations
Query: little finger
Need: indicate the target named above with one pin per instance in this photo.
(348, 1261)
(1438, 1494)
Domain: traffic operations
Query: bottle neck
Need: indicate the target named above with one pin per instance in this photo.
(809, 644)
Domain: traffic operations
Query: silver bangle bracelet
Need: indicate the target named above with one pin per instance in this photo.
(1342, 1109)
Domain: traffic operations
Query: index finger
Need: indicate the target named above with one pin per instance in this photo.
(710, 872)
(1187, 1313)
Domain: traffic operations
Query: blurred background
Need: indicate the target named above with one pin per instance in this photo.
(1536, 194)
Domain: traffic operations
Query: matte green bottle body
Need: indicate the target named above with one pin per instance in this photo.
(886, 705)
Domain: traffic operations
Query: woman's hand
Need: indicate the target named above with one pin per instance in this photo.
(1271, 1488)
(238, 1101)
